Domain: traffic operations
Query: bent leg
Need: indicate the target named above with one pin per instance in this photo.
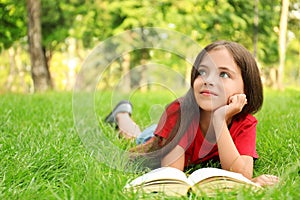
(128, 128)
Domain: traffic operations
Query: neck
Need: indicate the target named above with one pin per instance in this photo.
(205, 121)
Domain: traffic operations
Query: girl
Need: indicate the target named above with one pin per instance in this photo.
(213, 121)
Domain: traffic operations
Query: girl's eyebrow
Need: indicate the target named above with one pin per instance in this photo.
(203, 66)
(227, 69)
(220, 68)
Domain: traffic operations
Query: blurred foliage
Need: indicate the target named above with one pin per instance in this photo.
(12, 24)
(71, 28)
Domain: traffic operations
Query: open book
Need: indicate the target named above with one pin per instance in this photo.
(204, 181)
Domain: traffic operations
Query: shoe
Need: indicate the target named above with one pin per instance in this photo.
(122, 106)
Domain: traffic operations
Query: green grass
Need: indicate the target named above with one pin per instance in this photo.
(42, 156)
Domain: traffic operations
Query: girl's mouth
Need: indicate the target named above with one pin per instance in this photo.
(208, 93)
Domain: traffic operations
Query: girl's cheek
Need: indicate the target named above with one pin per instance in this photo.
(198, 82)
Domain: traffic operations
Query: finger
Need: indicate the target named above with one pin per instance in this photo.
(237, 98)
(269, 180)
(272, 178)
(231, 99)
(242, 99)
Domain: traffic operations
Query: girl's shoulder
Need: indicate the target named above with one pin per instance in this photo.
(174, 106)
(245, 120)
(250, 118)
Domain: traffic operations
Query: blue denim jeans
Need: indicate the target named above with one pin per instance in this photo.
(147, 134)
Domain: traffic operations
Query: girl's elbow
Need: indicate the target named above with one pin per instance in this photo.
(244, 166)
(248, 173)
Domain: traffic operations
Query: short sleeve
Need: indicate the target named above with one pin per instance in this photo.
(168, 120)
(244, 136)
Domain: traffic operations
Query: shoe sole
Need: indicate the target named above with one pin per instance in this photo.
(110, 118)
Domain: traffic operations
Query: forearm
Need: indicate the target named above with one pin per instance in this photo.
(174, 158)
(230, 158)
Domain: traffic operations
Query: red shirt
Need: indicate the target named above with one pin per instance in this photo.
(242, 131)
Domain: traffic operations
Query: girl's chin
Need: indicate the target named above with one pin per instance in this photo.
(211, 108)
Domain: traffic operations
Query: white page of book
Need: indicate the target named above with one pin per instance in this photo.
(204, 173)
(160, 173)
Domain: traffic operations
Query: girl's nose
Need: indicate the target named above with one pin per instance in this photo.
(209, 80)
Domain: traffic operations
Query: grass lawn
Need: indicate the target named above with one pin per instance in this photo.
(42, 156)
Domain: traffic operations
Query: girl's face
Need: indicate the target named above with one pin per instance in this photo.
(219, 78)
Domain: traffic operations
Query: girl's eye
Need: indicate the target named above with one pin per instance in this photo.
(202, 72)
(224, 75)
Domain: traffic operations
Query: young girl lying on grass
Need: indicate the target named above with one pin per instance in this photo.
(213, 121)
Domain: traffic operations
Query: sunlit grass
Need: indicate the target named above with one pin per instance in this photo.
(42, 156)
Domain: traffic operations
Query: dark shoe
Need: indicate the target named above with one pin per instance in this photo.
(122, 106)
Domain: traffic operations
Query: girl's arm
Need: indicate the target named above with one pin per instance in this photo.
(174, 158)
(229, 156)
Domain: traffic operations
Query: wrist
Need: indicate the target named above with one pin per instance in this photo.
(219, 126)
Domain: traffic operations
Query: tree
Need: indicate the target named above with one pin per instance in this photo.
(40, 72)
(282, 41)
(292, 65)
(255, 27)
(86, 23)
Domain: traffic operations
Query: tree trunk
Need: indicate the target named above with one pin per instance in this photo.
(144, 78)
(72, 63)
(12, 69)
(255, 34)
(282, 41)
(125, 73)
(39, 68)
